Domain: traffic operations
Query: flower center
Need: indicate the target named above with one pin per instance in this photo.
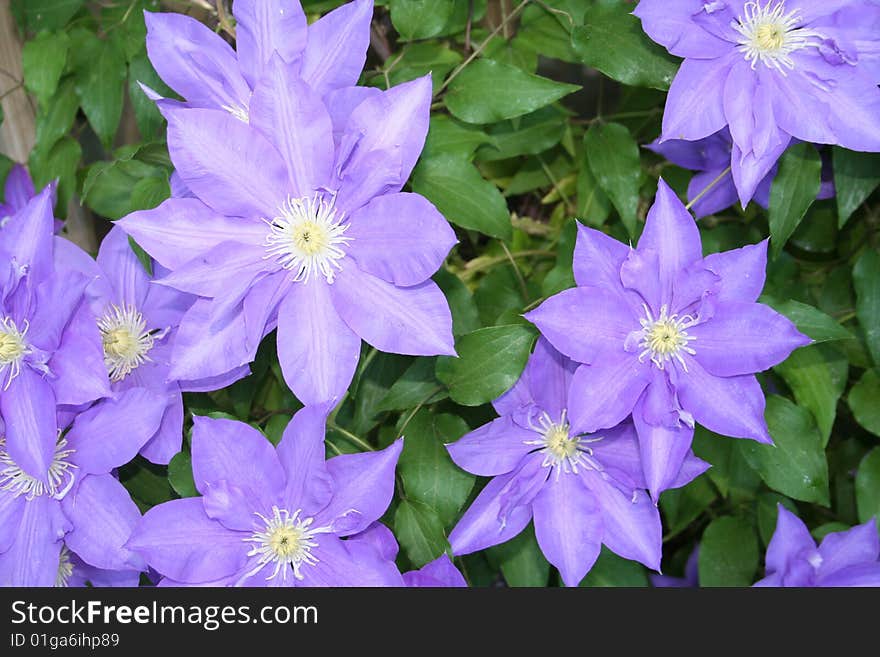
(285, 539)
(65, 568)
(58, 481)
(12, 349)
(769, 35)
(665, 338)
(125, 339)
(307, 238)
(562, 451)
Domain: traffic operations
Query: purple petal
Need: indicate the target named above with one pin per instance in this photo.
(109, 434)
(374, 174)
(336, 48)
(585, 323)
(103, 517)
(401, 238)
(694, 107)
(597, 259)
(719, 197)
(29, 235)
(363, 485)
(618, 454)
(195, 62)
(342, 102)
(865, 574)
(181, 542)
(493, 449)
(789, 540)
(440, 572)
(761, 336)
(301, 454)
(11, 512)
(209, 274)
(663, 450)
(732, 406)
(800, 108)
(749, 170)
(57, 299)
(348, 563)
(631, 522)
(241, 174)
(568, 526)
(18, 188)
(403, 320)
(317, 350)
(295, 120)
(120, 264)
(858, 545)
(381, 538)
(167, 440)
(28, 409)
(604, 393)
(182, 228)
(671, 24)
(549, 374)
(78, 363)
(33, 558)
(264, 27)
(741, 272)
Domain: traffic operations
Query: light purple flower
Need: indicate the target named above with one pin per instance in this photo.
(691, 577)
(582, 490)
(50, 349)
(77, 511)
(138, 322)
(849, 558)
(710, 158)
(200, 66)
(295, 227)
(771, 70)
(18, 190)
(667, 335)
(272, 518)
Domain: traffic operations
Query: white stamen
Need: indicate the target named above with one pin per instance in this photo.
(126, 340)
(665, 338)
(562, 451)
(59, 479)
(65, 568)
(285, 539)
(769, 35)
(241, 113)
(13, 348)
(307, 238)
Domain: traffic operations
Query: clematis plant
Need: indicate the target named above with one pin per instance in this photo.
(582, 490)
(272, 518)
(293, 228)
(712, 189)
(770, 70)
(76, 512)
(667, 335)
(847, 558)
(50, 349)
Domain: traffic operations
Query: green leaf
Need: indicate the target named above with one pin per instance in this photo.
(593, 205)
(796, 465)
(864, 401)
(728, 553)
(732, 475)
(546, 34)
(868, 486)
(48, 14)
(521, 561)
(458, 190)
(420, 532)
(149, 192)
(487, 91)
(142, 256)
(866, 279)
(43, 60)
(146, 114)
(856, 175)
(418, 385)
(681, 506)
(768, 513)
(613, 156)
(817, 376)
(180, 475)
(793, 191)
(100, 76)
(429, 475)
(489, 363)
(420, 19)
(108, 186)
(147, 482)
(529, 135)
(60, 162)
(611, 570)
(612, 41)
(810, 321)
(465, 317)
(448, 136)
(56, 119)
(416, 60)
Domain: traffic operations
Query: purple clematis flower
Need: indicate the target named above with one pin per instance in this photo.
(50, 349)
(582, 490)
(138, 322)
(710, 157)
(668, 336)
(850, 558)
(297, 228)
(272, 518)
(200, 66)
(439, 573)
(77, 512)
(771, 70)
(691, 577)
(17, 191)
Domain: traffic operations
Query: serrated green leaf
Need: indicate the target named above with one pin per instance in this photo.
(488, 91)
(489, 363)
(793, 191)
(420, 532)
(613, 156)
(864, 401)
(728, 553)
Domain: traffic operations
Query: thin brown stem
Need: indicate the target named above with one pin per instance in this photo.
(708, 188)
